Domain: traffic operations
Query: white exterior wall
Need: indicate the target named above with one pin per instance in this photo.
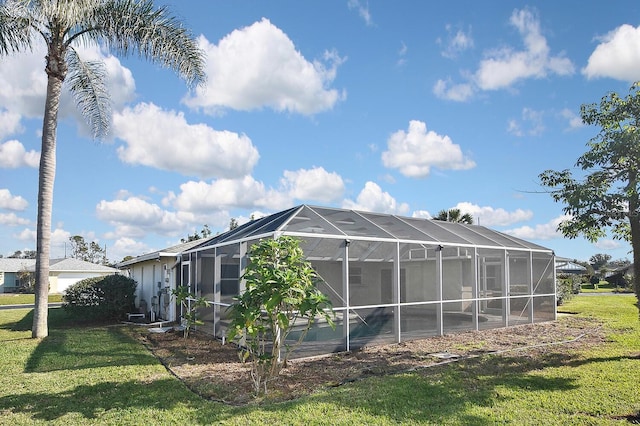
(156, 297)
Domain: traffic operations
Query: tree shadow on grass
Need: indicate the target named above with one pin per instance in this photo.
(444, 393)
(81, 348)
(93, 401)
(57, 318)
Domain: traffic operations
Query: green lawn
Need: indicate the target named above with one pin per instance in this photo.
(25, 299)
(100, 376)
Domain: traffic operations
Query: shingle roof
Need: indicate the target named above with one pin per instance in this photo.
(169, 251)
(16, 265)
(55, 265)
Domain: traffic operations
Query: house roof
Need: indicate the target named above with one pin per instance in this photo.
(16, 265)
(166, 252)
(55, 265)
(343, 223)
(566, 265)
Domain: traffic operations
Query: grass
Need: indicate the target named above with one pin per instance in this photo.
(98, 375)
(604, 287)
(25, 299)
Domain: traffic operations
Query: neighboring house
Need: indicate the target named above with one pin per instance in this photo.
(568, 266)
(616, 276)
(157, 274)
(62, 273)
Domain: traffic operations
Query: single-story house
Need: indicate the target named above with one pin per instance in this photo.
(156, 274)
(62, 273)
(389, 278)
(617, 275)
(568, 266)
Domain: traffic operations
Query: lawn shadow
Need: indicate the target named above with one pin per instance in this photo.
(81, 348)
(93, 400)
(56, 318)
(444, 393)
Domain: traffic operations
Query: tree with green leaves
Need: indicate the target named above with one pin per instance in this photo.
(280, 296)
(91, 252)
(204, 233)
(27, 254)
(126, 27)
(606, 196)
(454, 215)
(599, 260)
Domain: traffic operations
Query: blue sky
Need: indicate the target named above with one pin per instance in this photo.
(406, 107)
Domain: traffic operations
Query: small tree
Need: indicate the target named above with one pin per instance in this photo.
(280, 295)
(26, 280)
(189, 304)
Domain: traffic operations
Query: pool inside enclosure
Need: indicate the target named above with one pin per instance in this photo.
(389, 278)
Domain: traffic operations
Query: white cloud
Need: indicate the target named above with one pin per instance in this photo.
(402, 53)
(422, 214)
(13, 155)
(617, 56)
(135, 217)
(456, 42)
(445, 89)
(545, 231)
(574, 121)
(12, 202)
(164, 140)
(363, 10)
(373, 199)
(9, 124)
(531, 123)
(59, 240)
(608, 244)
(125, 246)
(502, 67)
(489, 216)
(11, 219)
(258, 66)
(415, 152)
(226, 194)
(314, 184)
(23, 82)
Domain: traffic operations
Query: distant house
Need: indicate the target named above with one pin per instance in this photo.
(616, 275)
(157, 274)
(62, 273)
(568, 266)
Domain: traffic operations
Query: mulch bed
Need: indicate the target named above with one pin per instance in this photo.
(214, 371)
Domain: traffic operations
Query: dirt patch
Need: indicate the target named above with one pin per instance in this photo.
(215, 372)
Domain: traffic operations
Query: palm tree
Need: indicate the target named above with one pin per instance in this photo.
(454, 215)
(125, 27)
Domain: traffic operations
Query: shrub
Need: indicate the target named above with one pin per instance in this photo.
(100, 298)
(566, 286)
(280, 294)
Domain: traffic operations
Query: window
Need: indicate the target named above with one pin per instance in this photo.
(355, 275)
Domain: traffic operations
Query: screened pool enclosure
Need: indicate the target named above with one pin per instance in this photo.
(390, 278)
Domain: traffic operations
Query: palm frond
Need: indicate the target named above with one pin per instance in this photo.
(15, 27)
(139, 27)
(87, 83)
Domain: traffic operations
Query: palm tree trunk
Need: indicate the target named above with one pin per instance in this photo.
(46, 179)
(635, 245)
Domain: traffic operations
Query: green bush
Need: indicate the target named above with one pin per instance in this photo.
(100, 298)
(566, 286)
